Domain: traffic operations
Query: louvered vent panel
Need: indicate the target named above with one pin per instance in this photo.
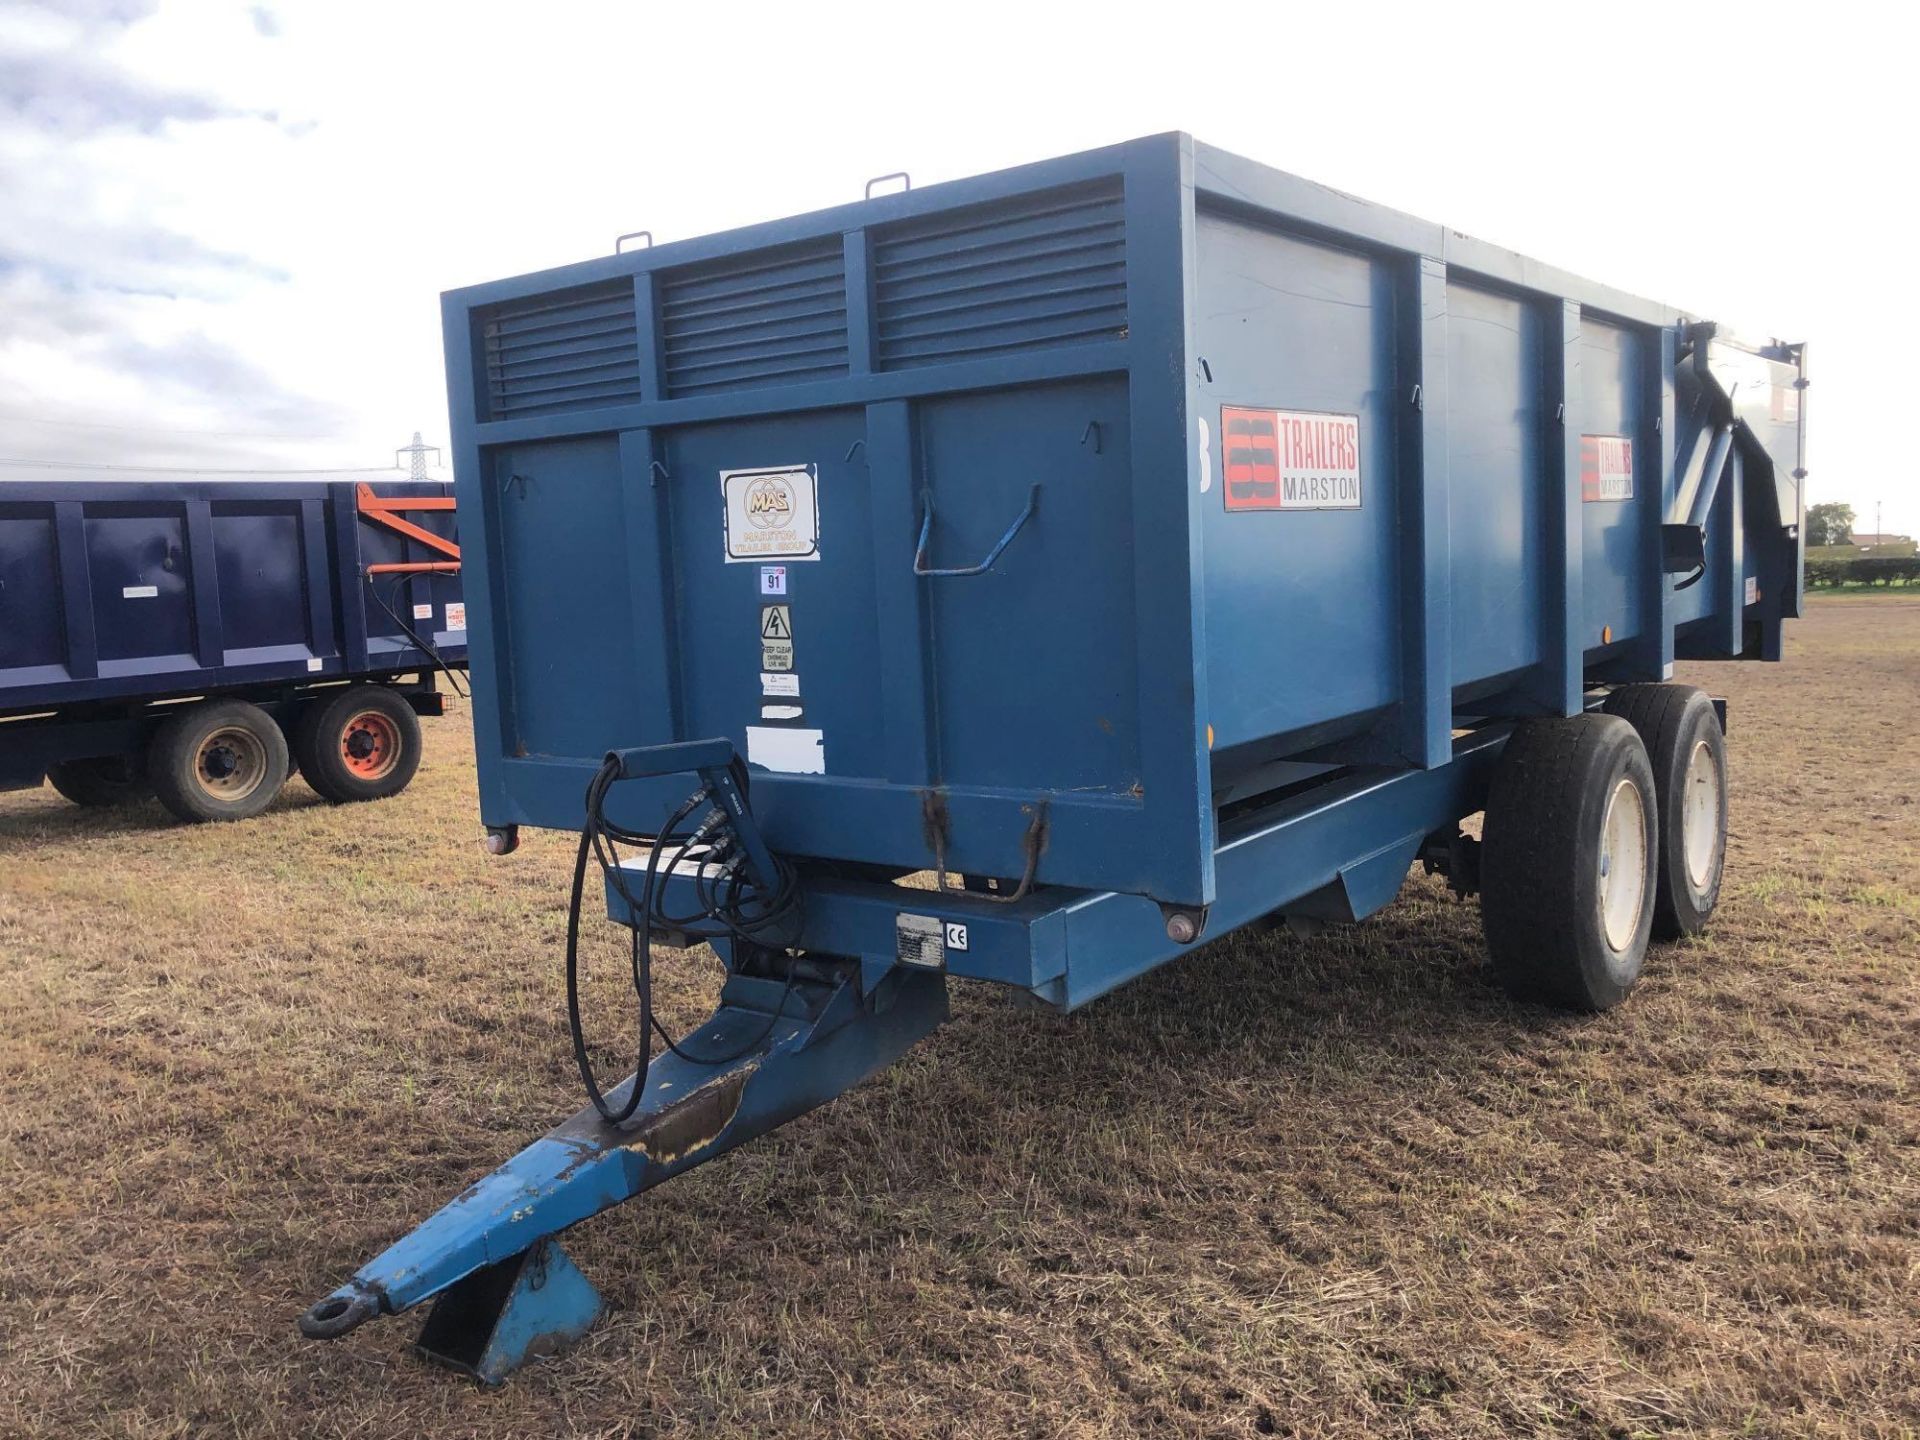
(571, 350)
(1048, 269)
(769, 318)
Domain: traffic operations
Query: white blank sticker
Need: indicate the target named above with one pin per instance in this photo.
(795, 752)
(314, 664)
(140, 592)
(781, 712)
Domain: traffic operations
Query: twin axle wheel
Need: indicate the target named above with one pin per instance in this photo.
(1679, 727)
(1603, 831)
(223, 760)
(362, 744)
(227, 759)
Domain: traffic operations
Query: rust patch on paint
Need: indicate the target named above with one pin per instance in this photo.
(694, 1121)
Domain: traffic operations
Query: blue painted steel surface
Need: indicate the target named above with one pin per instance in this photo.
(1138, 644)
(114, 592)
(1289, 506)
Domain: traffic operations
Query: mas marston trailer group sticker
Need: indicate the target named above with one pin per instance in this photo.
(771, 514)
(1289, 459)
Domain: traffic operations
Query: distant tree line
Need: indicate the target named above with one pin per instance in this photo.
(1866, 570)
(1833, 561)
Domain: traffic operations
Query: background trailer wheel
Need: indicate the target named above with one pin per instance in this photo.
(100, 782)
(222, 760)
(1567, 886)
(361, 744)
(1688, 753)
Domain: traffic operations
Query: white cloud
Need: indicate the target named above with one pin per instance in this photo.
(289, 187)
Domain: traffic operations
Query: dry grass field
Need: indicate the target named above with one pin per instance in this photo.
(1329, 1187)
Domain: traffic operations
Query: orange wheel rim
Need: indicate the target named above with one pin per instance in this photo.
(370, 745)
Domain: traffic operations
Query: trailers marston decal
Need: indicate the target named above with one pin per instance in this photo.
(1289, 459)
(1606, 468)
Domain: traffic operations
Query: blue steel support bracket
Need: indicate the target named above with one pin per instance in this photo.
(1562, 678)
(82, 637)
(803, 1044)
(494, 1321)
(1657, 631)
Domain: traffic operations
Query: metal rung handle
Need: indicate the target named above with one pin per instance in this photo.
(920, 566)
(642, 761)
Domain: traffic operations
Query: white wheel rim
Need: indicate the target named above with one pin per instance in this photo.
(1623, 864)
(230, 763)
(1700, 815)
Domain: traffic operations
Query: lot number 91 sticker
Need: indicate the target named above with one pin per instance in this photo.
(771, 514)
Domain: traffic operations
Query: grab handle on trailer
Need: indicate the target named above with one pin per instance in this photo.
(920, 566)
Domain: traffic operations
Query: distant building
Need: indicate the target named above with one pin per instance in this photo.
(1862, 541)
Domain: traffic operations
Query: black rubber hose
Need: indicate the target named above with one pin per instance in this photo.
(590, 844)
(460, 688)
(730, 908)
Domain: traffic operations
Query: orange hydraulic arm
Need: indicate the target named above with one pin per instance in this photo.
(384, 510)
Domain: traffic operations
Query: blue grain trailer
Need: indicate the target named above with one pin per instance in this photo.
(1141, 545)
(195, 640)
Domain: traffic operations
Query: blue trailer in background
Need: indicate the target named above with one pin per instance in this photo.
(196, 640)
(1029, 578)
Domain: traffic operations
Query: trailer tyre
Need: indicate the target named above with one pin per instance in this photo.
(1570, 844)
(361, 744)
(99, 783)
(223, 760)
(1681, 730)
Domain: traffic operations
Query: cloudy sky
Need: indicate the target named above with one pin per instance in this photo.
(224, 226)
